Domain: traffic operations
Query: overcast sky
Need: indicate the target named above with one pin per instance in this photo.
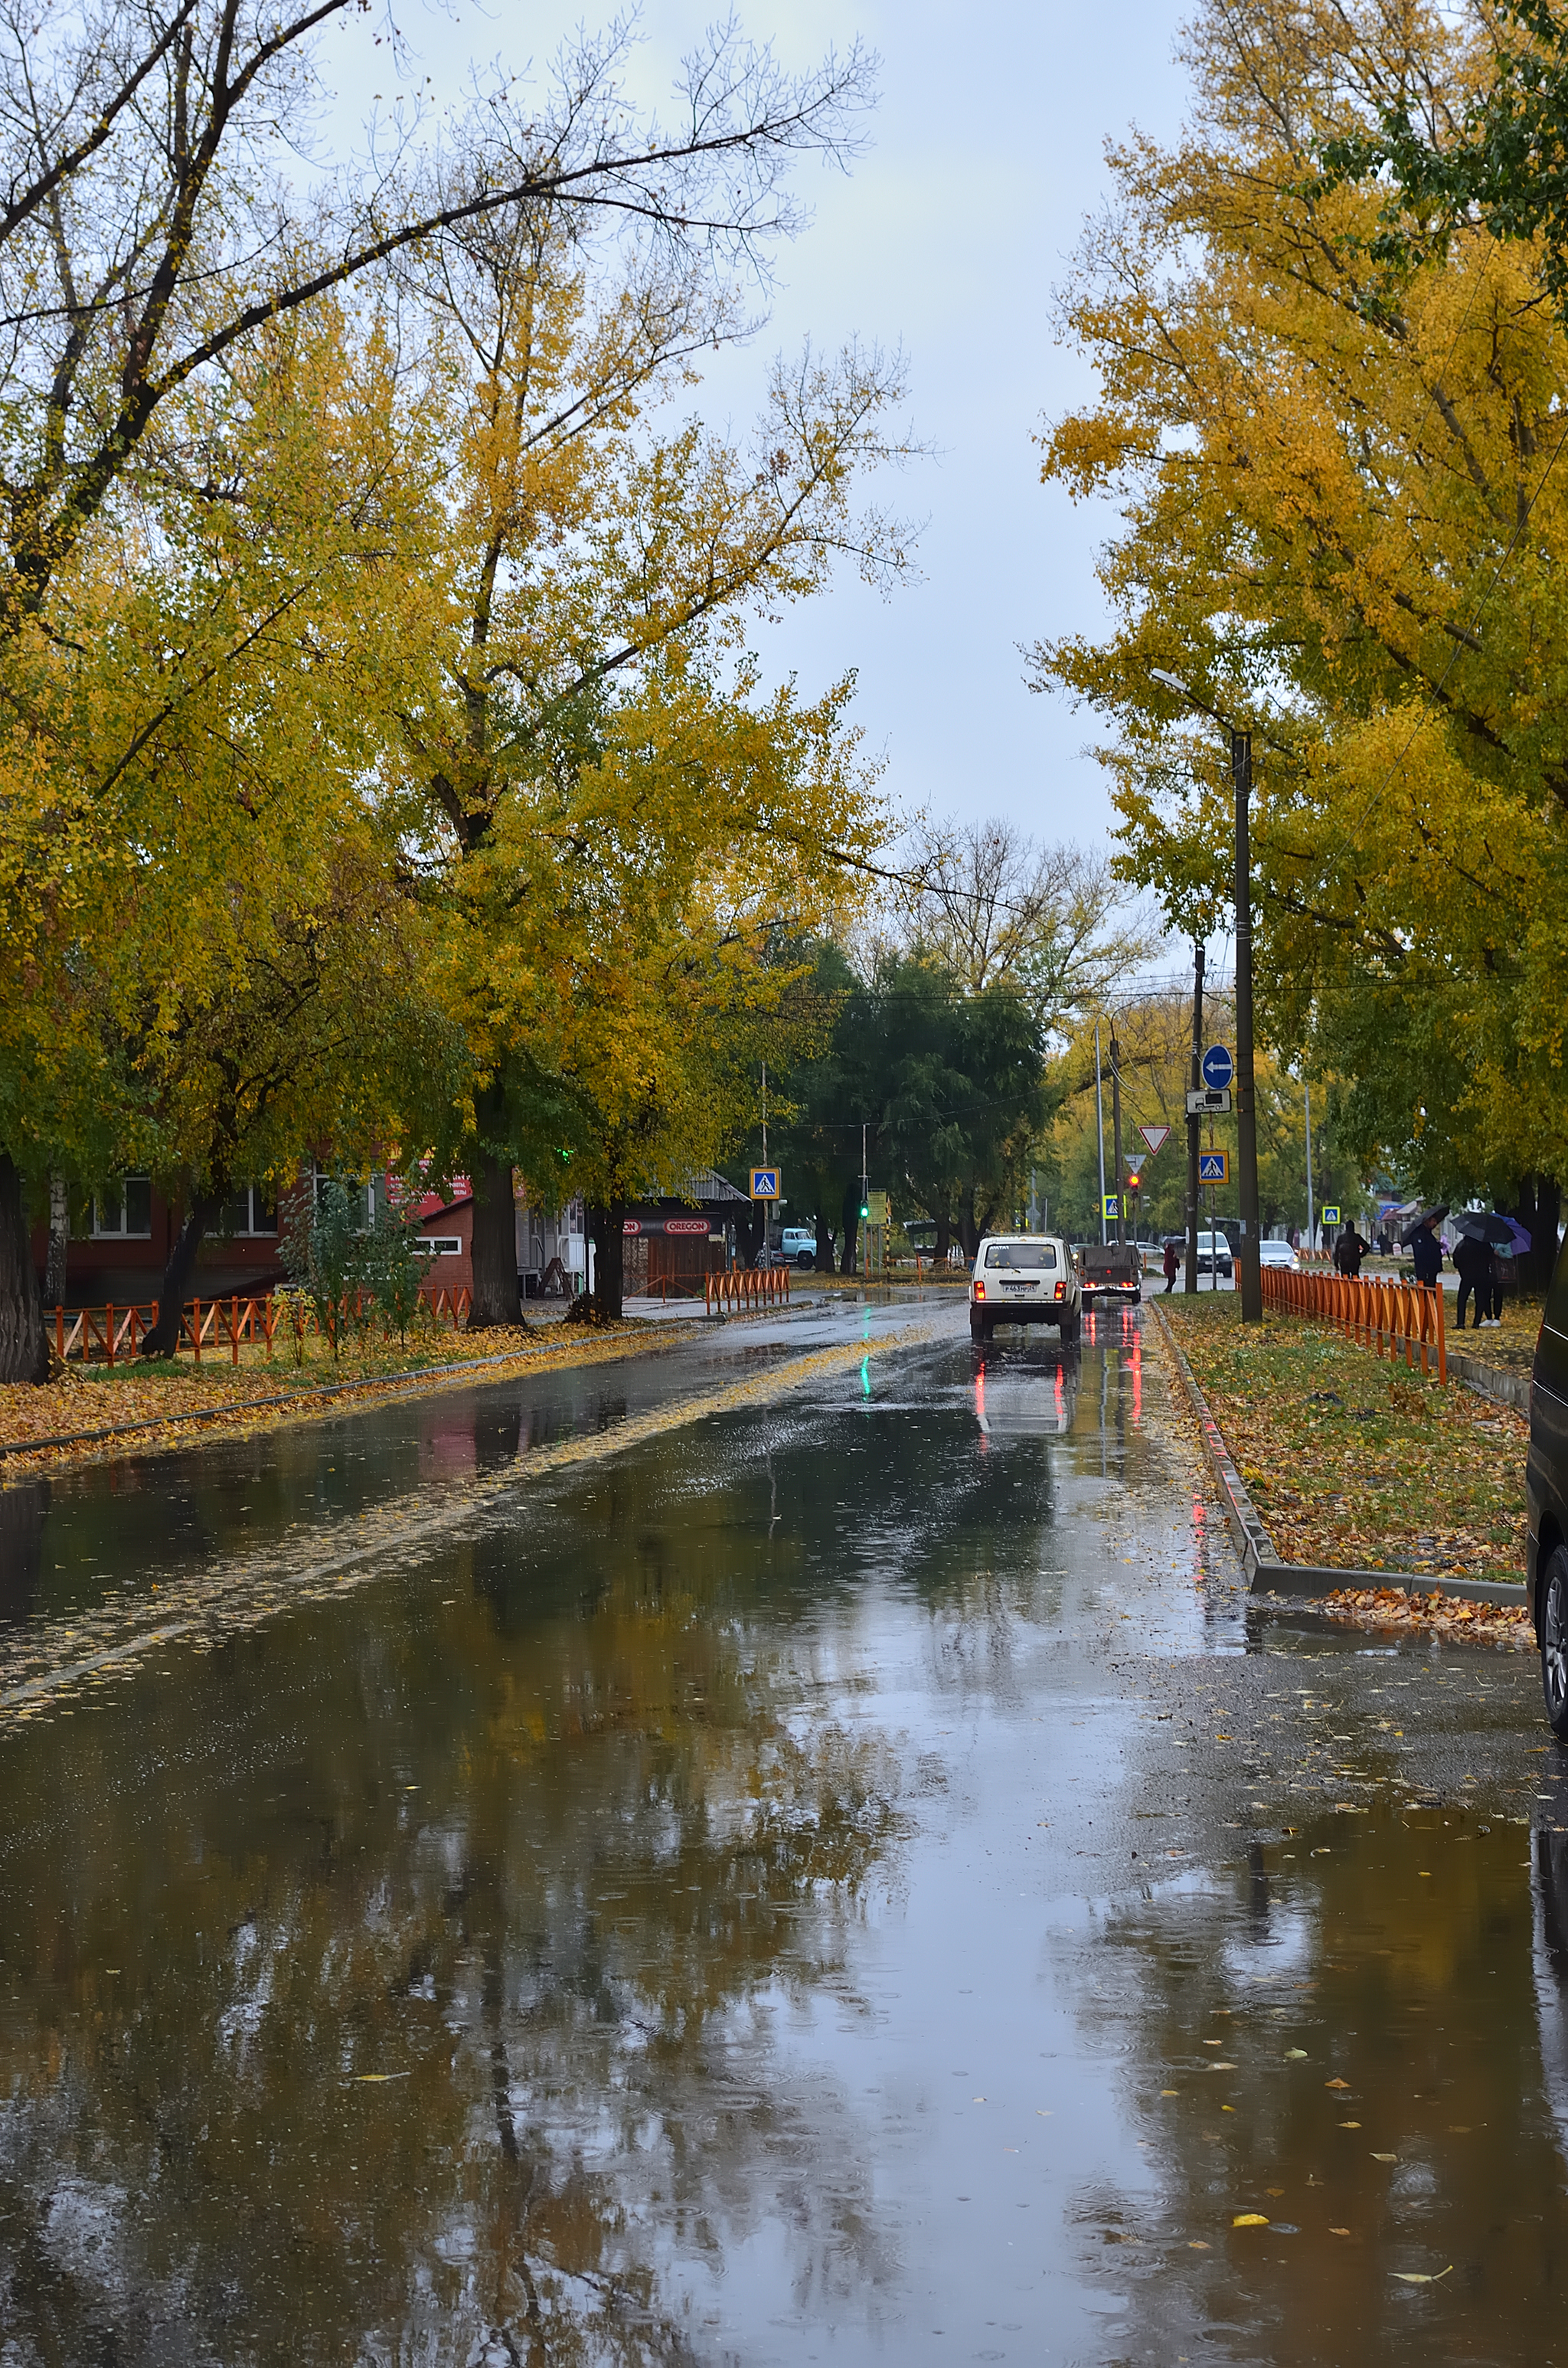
(946, 238)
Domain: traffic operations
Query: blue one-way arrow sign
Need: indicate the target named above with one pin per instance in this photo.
(1218, 1068)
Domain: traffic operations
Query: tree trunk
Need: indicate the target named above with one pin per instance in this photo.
(944, 1237)
(824, 1244)
(969, 1231)
(851, 1212)
(1539, 1209)
(24, 1345)
(163, 1338)
(607, 1225)
(495, 1299)
(59, 1242)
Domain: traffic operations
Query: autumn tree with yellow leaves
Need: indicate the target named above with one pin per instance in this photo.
(615, 830)
(154, 231)
(1345, 523)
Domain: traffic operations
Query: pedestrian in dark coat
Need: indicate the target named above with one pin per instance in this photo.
(1426, 1254)
(1495, 1313)
(1170, 1267)
(1348, 1251)
(1472, 1264)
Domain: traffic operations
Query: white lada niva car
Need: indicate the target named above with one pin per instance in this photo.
(1024, 1279)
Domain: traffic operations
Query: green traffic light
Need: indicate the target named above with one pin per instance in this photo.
(865, 1208)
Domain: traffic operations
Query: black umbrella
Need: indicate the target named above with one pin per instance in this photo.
(1427, 1217)
(1482, 1227)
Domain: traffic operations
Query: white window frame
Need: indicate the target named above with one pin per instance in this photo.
(250, 1230)
(122, 1232)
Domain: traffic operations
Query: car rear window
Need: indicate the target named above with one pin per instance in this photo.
(1030, 1254)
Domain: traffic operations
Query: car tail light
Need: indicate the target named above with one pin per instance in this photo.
(1060, 1289)
(980, 1290)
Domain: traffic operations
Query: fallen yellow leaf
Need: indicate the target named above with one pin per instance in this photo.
(1250, 2220)
(1420, 2277)
(1295, 2056)
(1385, 2157)
(1336, 2084)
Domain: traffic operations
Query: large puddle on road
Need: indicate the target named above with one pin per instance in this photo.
(681, 1907)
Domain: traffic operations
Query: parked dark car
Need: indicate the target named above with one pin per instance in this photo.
(1546, 1490)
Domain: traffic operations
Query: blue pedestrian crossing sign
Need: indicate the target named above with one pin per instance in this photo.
(764, 1183)
(1218, 1068)
(1112, 1205)
(1330, 1214)
(1213, 1167)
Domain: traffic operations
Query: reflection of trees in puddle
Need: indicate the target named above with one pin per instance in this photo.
(319, 2065)
(22, 1512)
(1414, 1991)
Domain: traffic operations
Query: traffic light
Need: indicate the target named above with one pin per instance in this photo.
(1134, 1183)
(865, 1209)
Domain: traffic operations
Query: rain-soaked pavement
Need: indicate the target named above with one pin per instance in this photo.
(790, 1848)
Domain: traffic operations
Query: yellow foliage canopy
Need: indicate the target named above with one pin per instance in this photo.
(1346, 528)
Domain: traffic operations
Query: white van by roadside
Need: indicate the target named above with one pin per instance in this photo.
(1024, 1279)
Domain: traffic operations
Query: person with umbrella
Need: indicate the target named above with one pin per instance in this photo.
(1481, 1236)
(1425, 1249)
(1473, 1263)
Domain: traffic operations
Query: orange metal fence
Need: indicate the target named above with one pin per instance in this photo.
(744, 1288)
(1392, 1318)
(112, 1334)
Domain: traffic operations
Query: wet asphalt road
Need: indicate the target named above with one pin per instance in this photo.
(793, 1848)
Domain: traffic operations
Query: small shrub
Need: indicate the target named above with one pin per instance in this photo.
(395, 1265)
(322, 1248)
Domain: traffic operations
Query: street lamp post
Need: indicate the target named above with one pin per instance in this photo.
(1194, 1123)
(1246, 1111)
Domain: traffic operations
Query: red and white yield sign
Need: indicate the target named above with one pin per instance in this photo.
(1153, 1137)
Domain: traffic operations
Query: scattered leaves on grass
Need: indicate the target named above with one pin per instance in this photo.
(1420, 1487)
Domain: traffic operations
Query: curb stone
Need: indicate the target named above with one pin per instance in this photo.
(1491, 1381)
(1265, 1572)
